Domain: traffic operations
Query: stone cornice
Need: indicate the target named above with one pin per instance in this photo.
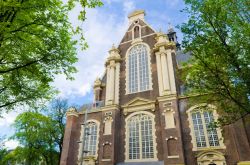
(165, 44)
(136, 12)
(113, 58)
(110, 107)
(167, 97)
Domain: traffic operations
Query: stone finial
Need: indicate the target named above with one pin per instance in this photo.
(114, 52)
(161, 37)
(135, 15)
(113, 56)
(72, 112)
(170, 28)
(97, 82)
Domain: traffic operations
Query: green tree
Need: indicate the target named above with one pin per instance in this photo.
(33, 131)
(57, 112)
(3, 151)
(40, 135)
(218, 35)
(13, 157)
(3, 154)
(35, 45)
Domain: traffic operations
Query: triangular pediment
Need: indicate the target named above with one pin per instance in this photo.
(138, 104)
(138, 101)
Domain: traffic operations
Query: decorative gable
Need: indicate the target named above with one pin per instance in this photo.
(138, 104)
(136, 19)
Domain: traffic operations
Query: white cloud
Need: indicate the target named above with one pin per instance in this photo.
(101, 30)
(8, 118)
(128, 6)
(11, 144)
(6, 129)
(110, 1)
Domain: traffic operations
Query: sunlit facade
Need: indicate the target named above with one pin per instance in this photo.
(141, 117)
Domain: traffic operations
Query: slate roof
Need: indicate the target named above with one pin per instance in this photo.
(182, 57)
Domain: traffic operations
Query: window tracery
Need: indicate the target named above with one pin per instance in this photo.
(90, 140)
(204, 136)
(138, 69)
(140, 137)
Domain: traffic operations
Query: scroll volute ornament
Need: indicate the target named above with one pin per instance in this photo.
(163, 42)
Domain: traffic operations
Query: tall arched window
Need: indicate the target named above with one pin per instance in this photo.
(138, 69)
(201, 121)
(204, 136)
(90, 140)
(140, 139)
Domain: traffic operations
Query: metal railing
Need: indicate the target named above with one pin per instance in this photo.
(92, 106)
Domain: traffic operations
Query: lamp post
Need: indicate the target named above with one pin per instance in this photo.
(84, 132)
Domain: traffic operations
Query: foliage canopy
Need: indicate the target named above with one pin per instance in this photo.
(35, 44)
(218, 35)
(40, 135)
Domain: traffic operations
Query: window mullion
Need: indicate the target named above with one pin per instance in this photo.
(88, 148)
(205, 128)
(140, 139)
(138, 72)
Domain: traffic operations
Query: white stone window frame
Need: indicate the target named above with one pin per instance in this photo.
(127, 68)
(97, 140)
(127, 139)
(192, 132)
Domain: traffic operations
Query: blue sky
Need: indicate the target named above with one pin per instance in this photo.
(104, 26)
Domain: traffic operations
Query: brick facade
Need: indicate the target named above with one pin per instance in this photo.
(173, 145)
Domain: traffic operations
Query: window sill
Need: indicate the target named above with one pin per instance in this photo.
(141, 160)
(174, 156)
(138, 92)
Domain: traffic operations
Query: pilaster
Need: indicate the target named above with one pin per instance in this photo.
(165, 74)
(110, 99)
(171, 71)
(107, 85)
(69, 140)
(113, 73)
(117, 82)
(166, 78)
(159, 73)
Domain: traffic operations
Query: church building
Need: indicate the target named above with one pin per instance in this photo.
(140, 115)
